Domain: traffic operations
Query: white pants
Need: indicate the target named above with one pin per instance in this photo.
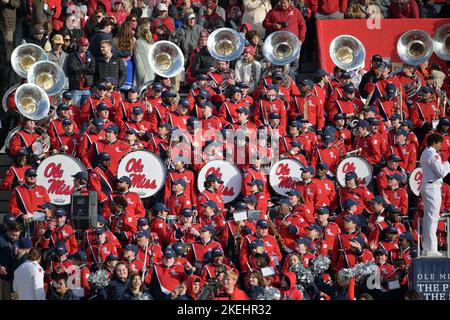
(431, 198)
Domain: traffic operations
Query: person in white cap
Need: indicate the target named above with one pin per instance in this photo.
(434, 170)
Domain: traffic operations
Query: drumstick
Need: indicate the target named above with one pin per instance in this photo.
(354, 151)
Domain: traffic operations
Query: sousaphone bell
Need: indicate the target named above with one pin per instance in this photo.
(47, 75)
(32, 101)
(225, 44)
(347, 52)
(415, 47)
(25, 56)
(281, 48)
(166, 59)
(441, 42)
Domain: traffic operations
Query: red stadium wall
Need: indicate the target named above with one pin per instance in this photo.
(381, 41)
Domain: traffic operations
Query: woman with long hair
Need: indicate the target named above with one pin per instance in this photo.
(125, 43)
(144, 42)
(120, 282)
(136, 290)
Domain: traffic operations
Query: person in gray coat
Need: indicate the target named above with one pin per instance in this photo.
(7, 28)
(187, 36)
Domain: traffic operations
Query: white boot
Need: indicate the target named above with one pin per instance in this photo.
(434, 254)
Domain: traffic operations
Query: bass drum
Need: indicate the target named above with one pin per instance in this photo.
(55, 174)
(146, 171)
(356, 164)
(415, 180)
(228, 172)
(284, 174)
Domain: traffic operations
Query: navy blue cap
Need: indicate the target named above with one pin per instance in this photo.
(30, 172)
(98, 123)
(186, 212)
(111, 258)
(60, 212)
(208, 228)
(394, 158)
(216, 252)
(25, 243)
(99, 231)
(401, 132)
(285, 201)
(309, 169)
(137, 110)
(66, 122)
(125, 179)
(427, 89)
(320, 73)
(277, 74)
(274, 115)
(159, 206)
(395, 116)
(307, 83)
(178, 247)
(273, 87)
(351, 175)
(103, 156)
(102, 106)
(210, 203)
(243, 110)
(235, 89)
(83, 175)
(204, 93)
(112, 128)
(67, 95)
(203, 76)
(345, 75)
(293, 192)
(112, 80)
(21, 153)
(351, 217)
(314, 226)
(407, 236)
(348, 203)
(47, 205)
(444, 122)
(213, 177)
(180, 181)
(380, 251)
(133, 90)
(390, 229)
(373, 121)
(394, 176)
(339, 116)
(168, 94)
(144, 233)
(256, 182)
(323, 210)
(142, 222)
(349, 87)
(408, 123)
(101, 219)
(165, 125)
(256, 243)
(296, 124)
(206, 103)
(60, 250)
(80, 255)
(327, 138)
(378, 199)
(240, 206)
(296, 143)
(322, 166)
(101, 85)
(8, 219)
(130, 247)
(184, 103)
(363, 124)
(262, 223)
(370, 108)
(304, 240)
(392, 208)
(157, 87)
(242, 84)
(62, 106)
(390, 88)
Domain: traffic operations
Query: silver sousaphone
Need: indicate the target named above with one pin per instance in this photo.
(47, 75)
(415, 47)
(225, 44)
(281, 48)
(166, 59)
(25, 56)
(441, 42)
(347, 52)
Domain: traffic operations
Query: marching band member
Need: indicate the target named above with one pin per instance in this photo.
(15, 174)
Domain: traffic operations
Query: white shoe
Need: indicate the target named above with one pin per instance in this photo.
(424, 253)
(434, 254)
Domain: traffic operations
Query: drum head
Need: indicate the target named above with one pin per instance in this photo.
(284, 174)
(146, 171)
(356, 164)
(55, 174)
(415, 180)
(228, 172)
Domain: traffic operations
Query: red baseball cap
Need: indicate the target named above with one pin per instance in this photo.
(83, 41)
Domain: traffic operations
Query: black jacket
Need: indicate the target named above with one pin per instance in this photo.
(76, 68)
(203, 61)
(8, 253)
(116, 289)
(68, 296)
(94, 42)
(112, 68)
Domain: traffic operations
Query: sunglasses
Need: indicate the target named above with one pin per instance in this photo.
(66, 40)
(102, 89)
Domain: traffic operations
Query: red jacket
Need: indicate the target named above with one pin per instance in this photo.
(159, 114)
(13, 176)
(227, 111)
(359, 194)
(191, 189)
(64, 234)
(116, 150)
(328, 7)
(177, 120)
(178, 202)
(422, 112)
(89, 108)
(208, 195)
(310, 108)
(407, 10)
(399, 198)
(330, 155)
(102, 181)
(270, 245)
(199, 249)
(407, 154)
(27, 199)
(22, 140)
(371, 148)
(135, 206)
(291, 293)
(329, 196)
(264, 107)
(296, 23)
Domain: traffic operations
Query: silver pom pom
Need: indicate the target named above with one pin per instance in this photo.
(359, 271)
(320, 264)
(304, 275)
(99, 278)
(270, 293)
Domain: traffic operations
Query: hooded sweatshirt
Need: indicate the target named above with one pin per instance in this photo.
(292, 293)
(190, 287)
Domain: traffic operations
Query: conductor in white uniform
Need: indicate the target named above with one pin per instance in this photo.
(29, 278)
(434, 170)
